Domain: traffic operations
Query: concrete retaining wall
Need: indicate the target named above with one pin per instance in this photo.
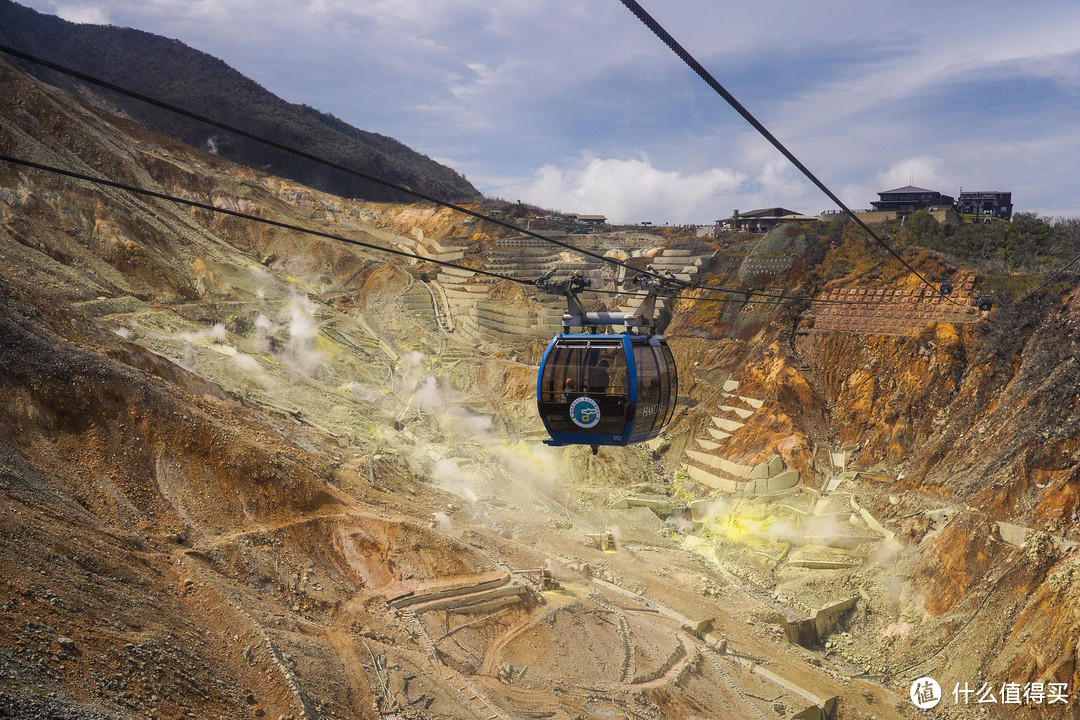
(1017, 535)
(783, 481)
(729, 425)
(663, 508)
(809, 632)
(762, 471)
(824, 564)
(405, 601)
(489, 606)
(828, 618)
(497, 597)
(776, 465)
(821, 707)
(470, 292)
(1013, 534)
(871, 521)
(717, 482)
(455, 272)
(736, 469)
(741, 412)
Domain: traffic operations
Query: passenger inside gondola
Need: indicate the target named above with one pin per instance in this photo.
(586, 370)
(569, 388)
(599, 379)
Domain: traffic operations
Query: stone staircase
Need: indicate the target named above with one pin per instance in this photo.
(710, 467)
(629, 664)
(419, 301)
(735, 687)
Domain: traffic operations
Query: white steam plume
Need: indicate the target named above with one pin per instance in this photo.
(264, 330)
(300, 351)
(448, 474)
(217, 332)
(442, 522)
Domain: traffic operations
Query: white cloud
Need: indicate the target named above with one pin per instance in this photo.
(779, 179)
(88, 14)
(924, 172)
(627, 191)
(505, 88)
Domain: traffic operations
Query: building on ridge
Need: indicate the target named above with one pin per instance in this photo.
(588, 219)
(761, 220)
(983, 204)
(909, 199)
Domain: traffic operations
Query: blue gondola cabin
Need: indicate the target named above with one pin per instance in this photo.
(606, 389)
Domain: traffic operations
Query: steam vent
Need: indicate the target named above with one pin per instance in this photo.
(295, 469)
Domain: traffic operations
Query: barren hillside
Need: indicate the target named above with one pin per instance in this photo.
(248, 472)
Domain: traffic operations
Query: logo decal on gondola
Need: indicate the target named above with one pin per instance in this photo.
(585, 412)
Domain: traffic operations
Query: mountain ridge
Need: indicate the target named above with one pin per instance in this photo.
(174, 72)
(227, 446)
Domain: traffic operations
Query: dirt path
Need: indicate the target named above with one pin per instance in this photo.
(341, 640)
(491, 656)
(226, 538)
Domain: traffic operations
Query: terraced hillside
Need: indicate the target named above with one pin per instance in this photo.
(251, 472)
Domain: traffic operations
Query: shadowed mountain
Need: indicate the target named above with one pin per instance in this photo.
(175, 73)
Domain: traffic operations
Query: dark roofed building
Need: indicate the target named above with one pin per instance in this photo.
(909, 199)
(761, 220)
(986, 203)
(588, 219)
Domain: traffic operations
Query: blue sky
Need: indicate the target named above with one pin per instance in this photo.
(574, 105)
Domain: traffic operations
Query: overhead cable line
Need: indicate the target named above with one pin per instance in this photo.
(1051, 279)
(79, 75)
(649, 22)
(142, 97)
(246, 216)
(766, 298)
(296, 228)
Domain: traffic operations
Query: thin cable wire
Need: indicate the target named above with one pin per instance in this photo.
(742, 292)
(14, 52)
(314, 158)
(657, 29)
(245, 216)
(765, 298)
(297, 228)
(1050, 279)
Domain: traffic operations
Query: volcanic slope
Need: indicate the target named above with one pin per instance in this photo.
(938, 476)
(248, 472)
(242, 478)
